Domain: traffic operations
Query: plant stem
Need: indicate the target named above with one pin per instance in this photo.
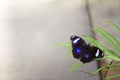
(106, 72)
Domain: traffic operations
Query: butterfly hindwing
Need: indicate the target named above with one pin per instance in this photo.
(98, 53)
(87, 56)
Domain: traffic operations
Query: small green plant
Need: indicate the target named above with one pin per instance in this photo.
(114, 54)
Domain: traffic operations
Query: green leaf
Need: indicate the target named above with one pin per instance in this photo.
(91, 40)
(104, 67)
(114, 25)
(94, 42)
(70, 55)
(114, 58)
(109, 37)
(105, 57)
(97, 44)
(68, 45)
(112, 69)
(76, 66)
(111, 77)
(112, 53)
(101, 68)
(113, 38)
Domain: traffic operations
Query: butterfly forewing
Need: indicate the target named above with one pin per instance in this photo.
(77, 46)
(77, 41)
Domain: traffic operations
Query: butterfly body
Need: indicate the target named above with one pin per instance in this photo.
(83, 51)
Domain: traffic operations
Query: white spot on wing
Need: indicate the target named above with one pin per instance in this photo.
(76, 40)
(97, 53)
(102, 54)
(73, 36)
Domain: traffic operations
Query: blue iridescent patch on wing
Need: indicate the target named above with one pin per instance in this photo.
(86, 56)
(78, 50)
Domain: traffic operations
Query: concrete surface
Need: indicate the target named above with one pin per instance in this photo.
(28, 31)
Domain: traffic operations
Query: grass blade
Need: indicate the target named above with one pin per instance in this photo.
(105, 57)
(94, 42)
(104, 67)
(112, 69)
(92, 74)
(113, 38)
(111, 77)
(109, 37)
(68, 45)
(114, 25)
(97, 44)
(76, 66)
(114, 58)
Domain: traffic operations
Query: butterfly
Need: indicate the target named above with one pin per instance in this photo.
(83, 51)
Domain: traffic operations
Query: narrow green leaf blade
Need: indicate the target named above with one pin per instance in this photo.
(113, 38)
(68, 45)
(95, 72)
(105, 57)
(111, 77)
(114, 25)
(91, 40)
(114, 58)
(76, 66)
(109, 37)
(97, 44)
(112, 69)
(104, 67)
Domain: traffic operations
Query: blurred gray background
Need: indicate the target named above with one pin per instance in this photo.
(29, 30)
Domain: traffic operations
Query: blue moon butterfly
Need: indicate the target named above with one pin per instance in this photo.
(83, 51)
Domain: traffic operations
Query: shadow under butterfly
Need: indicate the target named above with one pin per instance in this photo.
(83, 51)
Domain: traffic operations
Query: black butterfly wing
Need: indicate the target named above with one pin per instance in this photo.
(77, 41)
(77, 46)
(91, 53)
(83, 51)
(98, 53)
(87, 55)
(78, 51)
